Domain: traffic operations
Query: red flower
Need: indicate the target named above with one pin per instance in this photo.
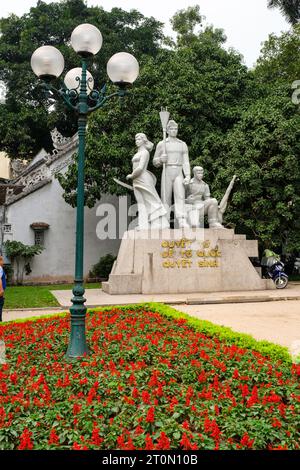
(215, 433)
(25, 440)
(76, 408)
(132, 379)
(125, 445)
(163, 442)
(150, 415)
(207, 425)
(77, 446)
(245, 391)
(14, 378)
(276, 423)
(2, 414)
(33, 371)
(186, 425)
(96, 439)
(139, 430)
(246, 441)
(146, 397)
(174, 402)
(149, 443)
(202, 377)
(53, 437)
(91, 395)
(254, 397)
(186, 443)
(189, 393)
(153, 382)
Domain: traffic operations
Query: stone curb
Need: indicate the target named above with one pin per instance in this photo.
(228, 300)
(239, 300)
(35, 309)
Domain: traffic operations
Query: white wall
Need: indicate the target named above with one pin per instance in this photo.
(57, 261)
(4, 166)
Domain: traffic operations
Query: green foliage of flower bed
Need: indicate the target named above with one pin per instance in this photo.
(152, 382)
(273, 351)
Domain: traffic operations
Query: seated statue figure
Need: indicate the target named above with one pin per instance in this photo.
(201, 202)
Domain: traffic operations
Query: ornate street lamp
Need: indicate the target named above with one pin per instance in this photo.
(79, 94)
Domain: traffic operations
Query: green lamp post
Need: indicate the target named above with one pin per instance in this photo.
(77, 91)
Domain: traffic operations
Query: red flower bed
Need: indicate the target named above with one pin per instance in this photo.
(151, 383)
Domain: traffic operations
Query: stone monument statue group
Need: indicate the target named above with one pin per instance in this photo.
(191, 196)
(155, 258)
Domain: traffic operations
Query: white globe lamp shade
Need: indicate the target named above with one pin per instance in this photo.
(86, 40)
(123, 68)
(73, 77)
(47, 62)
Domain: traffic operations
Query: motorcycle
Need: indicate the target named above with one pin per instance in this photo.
(277, 274)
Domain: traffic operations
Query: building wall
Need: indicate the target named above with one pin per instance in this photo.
(56, 262)
(4, 166)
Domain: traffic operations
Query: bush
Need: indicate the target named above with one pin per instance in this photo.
(21, 255)
(103, 268)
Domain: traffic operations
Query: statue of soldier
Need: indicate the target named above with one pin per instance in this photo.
(173, 155)
(203, 204)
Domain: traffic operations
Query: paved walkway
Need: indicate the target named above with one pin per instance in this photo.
(278, 322)
(269, 315)
(96, 297)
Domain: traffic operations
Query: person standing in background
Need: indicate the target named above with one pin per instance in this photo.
(2, 285)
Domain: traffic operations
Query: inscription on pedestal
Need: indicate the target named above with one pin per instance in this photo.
(183, 254)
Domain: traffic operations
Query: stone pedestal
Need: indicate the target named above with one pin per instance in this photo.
(185, 261)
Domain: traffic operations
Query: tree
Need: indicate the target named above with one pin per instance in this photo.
(279, 60)
(203, 86)
(26, 117)
(289, 8)
(21, 255)
(263, 150)
(184, 23)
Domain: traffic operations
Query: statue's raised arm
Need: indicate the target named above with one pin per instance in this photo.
(224, 202)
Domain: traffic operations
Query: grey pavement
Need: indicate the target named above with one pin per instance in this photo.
(277, 322)
(96, 297)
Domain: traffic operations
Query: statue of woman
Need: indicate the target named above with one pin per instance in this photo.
(151, 212)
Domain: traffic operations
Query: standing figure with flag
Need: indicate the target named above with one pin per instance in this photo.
(172, 154)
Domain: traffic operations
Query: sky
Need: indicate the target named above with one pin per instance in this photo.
(247, 23)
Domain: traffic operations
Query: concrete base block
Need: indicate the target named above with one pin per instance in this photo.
(185, 261)
(123, 284)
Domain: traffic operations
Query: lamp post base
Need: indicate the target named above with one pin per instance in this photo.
(78, 346)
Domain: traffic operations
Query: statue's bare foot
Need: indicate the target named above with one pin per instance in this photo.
(215, 225)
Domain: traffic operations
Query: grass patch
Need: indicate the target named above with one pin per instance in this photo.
(90, 285)
(29, 297)
(36, 296)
